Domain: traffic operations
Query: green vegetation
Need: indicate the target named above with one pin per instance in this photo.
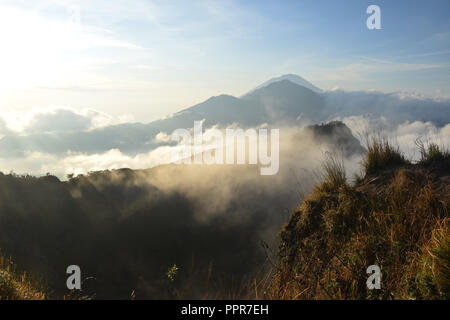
(172, 273)
(396, 216)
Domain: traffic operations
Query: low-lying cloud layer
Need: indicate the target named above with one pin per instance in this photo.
(65, 141)
(404, 135)
(398, 107)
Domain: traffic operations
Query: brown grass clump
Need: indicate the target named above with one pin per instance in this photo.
(381, 154)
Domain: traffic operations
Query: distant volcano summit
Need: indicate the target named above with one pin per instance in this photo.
(291, 77)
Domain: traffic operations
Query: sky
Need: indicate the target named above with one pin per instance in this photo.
(140, 60)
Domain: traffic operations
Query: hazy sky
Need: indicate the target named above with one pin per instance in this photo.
(144, 59)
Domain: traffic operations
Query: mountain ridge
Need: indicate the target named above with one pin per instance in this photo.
(222, 110)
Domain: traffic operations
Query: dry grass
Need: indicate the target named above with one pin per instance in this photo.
(431, 153)
(334, 175)
(15, 286)
(381, 154)
(396, 217)
(429, 276)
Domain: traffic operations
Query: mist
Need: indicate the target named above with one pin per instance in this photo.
(125, 228)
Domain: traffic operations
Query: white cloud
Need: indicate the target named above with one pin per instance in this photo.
(366, 67)
(397, 107)
(162, 137)
(57, 119)
(4, 130)
(112, 159)
(404, 134)
(38, 163)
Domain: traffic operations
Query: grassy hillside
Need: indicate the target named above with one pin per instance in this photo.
(15, 286)
(395, 216)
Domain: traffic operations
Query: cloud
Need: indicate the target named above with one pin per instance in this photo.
(404, 135)
(113, 159)
(364, 69)
(57, 119)
(61, 164)
(403, 117)
(397, 107)
(162, 137)
(429, 54)
(4, 130)
(39, 163)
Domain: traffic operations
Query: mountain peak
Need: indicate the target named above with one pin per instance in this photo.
(290, 77)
